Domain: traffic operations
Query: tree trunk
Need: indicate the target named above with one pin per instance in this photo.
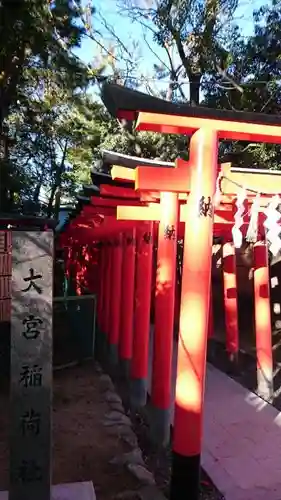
(57, 185)
(12, 69)
(194, 86)
(169, 93)
(51, 199)
(194, 78)
(38, 187)
(5, 202)
(57, 203)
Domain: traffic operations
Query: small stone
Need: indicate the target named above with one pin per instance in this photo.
(142, 474)
(130, 439)
(105, 378)
(112, 397)
(98, 368)
(117, 430)
(125, 433)
(145, 493)
(150, 493)
(116, 418)
(117, 407)
(114, 415)
(106, 383)
(127, 495)
(132, 457)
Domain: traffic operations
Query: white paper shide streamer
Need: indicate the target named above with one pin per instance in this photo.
(252, 233)
(218, 192)
(238, 218)
(271, 225)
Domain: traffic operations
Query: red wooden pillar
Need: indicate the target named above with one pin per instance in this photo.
(139, 366)
(177, 302)
(78, 268)
(115, 291)
(230, 301)
(67, 257)
(263, 321)
(127, 302)
(164, 317)
(99, 309)
(211, 315)
(108, 286)
(73, 269)
(194, 316)
(100, 302)
(94, 270)
(103, 287)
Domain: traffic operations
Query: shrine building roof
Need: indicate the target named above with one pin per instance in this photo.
(25, 222)
(112, 158)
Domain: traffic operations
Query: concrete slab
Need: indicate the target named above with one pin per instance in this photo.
(68, 491)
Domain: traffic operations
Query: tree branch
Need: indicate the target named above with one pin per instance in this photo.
(113, 33)
(223, 73)
(156, 55)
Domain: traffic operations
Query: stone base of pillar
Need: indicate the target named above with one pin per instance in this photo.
(160, 425)
(138, 393)
(113, 360)
(68, 491)
(125, 369)
(185, 477)
(265, 385)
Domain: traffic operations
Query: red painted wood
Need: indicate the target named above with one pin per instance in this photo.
(195, 298)
(100, 302)
(262, 311)
(225, 129)
(164, 179)
(139, 366)
(230, 299)
(5, 310)
(165, 302)
(112, 202)
(211, 316)
(127, 295)
(118, 192)
(108, 289)
(116, 275)
(90, 209)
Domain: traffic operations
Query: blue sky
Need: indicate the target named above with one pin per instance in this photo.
(128, 32)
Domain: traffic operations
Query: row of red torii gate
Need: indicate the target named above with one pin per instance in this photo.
(127, 212)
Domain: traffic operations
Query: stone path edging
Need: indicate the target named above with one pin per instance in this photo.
(117, 423)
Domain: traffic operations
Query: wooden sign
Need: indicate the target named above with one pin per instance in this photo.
(31, 365)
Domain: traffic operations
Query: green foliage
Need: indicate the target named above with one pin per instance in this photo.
(39, 76)
(38, 34)
(200, 32)
(256, 67)
(52, 130)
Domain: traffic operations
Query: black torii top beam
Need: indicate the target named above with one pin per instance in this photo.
(117, 98)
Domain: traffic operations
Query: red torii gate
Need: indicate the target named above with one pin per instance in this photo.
(196, 281)
(153, 213)
(169, 184)
(223, 223)
(259, 276)
(109, 302)
(142, 297)
(206, 128)
(152, 179)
